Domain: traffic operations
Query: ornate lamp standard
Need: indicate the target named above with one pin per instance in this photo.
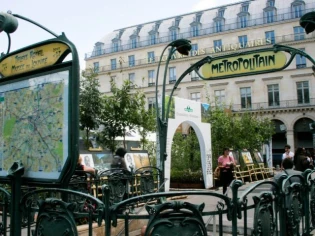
(307, 21)
(182, 46)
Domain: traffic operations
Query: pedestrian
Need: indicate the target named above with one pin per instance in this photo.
(119, 160)
(301, 160)
(287, 152)
(287, 164)
(226, 164)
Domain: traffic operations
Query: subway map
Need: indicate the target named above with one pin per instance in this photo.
(33, 124)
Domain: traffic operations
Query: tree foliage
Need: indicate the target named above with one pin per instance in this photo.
(90, 104)
(238, 131)
(121, 113)
(186, 152)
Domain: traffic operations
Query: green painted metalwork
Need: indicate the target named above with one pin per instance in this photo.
(60, 210)
(146, 180)
(181, 218)
(118, 181)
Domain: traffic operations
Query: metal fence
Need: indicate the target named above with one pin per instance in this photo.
(286, 207)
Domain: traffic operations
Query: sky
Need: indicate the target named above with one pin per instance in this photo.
(86, 22)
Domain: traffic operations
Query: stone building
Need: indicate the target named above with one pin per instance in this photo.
(287, 97)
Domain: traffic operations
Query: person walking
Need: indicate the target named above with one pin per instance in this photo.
(226, 164)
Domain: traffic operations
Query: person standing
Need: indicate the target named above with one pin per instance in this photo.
(287, 153)
(119, 160)
(226, 164)
(301, 160)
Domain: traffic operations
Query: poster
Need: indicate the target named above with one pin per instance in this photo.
(236, 157)
(247, 157)
(87, 160)
(136, 160)
(258, 157)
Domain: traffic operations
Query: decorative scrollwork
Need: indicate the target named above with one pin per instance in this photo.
(264, 219)
(178, 218)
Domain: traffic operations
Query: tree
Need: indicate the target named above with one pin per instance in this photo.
(120, 113)
(186, 152)
(147, 123)
(90, 102)
(239, 131)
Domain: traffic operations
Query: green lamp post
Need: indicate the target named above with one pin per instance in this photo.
(183, 46)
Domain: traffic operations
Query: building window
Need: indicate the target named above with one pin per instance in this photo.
(219, 26)
(152, 39)
(113, 64)
(134, 42)
(115, 46)
(270, 3)
(194, 50)
(195, 97)
(273, 95)
(217, 45)
(298, 33)
(151, 77)
(97, 49)
(195, 30)
(269, 16)
(221, 12)
(303, 93)
(243, 21)
(300, 60)
(151, 57)
(96, 66)
(131, 60)
(219, 96)
(270, 37)
(131, 78)
(242, 41)
(173, 35)
(194, 76)
(244, 8)
(297, 10)
(172, 74)
(246, 97)
(151, 103)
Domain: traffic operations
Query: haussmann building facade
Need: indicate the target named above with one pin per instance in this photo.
(287, 97)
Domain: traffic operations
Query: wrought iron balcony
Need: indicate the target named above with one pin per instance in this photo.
(274, 106)
(208, 51)
(207, 29)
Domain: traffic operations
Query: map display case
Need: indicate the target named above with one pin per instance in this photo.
(39, 111)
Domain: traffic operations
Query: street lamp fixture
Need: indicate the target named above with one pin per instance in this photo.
(183, 47)
(307, 21)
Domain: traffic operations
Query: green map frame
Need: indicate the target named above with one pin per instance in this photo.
(56, 162)
(34, 124)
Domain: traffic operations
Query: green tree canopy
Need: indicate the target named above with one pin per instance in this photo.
(90, 102)
(121, 113)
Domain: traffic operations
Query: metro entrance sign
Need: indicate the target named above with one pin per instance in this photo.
(250, 62)
(39, 125)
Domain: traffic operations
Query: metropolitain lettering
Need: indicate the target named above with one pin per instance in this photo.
(256, 61)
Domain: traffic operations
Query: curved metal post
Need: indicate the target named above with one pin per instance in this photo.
(35, 23)
(182, 46)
